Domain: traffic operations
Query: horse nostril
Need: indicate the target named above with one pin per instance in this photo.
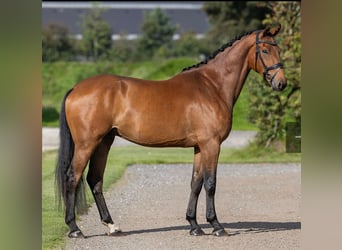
(281, 85)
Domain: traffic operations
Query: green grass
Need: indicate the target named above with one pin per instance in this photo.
(240, 112)
(53, 228)
(255, 154)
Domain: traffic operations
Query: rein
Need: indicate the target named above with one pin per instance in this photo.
(258, 54)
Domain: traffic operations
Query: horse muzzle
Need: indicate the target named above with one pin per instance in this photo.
(277, 83)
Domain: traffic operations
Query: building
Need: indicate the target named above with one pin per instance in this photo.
(127, 17)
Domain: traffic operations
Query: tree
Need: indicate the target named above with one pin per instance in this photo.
(188, 45)
(56, 44)
(123, 49)
(269, 110)
(232, 18)
(96, 39)
(157, 32)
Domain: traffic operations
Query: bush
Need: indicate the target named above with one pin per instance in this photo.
(49, 115)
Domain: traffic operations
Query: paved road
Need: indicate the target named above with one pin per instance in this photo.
(236, 139)
(258, 204)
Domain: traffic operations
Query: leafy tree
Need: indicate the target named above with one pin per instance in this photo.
(188, 45)
(56, 44)
(123, 49)
(271, 110)
(231, 18)
(96, 39)
(157, 32)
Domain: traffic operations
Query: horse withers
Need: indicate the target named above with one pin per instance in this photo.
(192, 109)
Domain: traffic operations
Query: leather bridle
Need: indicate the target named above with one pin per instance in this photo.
(278, 65)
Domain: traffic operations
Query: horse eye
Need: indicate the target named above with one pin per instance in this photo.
(265, 51)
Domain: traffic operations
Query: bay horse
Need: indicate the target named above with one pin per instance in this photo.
(192, 109)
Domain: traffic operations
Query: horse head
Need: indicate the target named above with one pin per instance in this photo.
(267, 58)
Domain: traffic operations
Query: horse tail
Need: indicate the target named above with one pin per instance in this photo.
(64, 172)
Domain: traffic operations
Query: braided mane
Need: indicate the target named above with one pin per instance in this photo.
(221, 49)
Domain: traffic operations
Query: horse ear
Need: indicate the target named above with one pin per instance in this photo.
(272, 30)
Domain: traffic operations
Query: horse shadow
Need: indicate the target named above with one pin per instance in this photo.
(233, 229)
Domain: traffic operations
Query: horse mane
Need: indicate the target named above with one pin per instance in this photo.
(221, 49)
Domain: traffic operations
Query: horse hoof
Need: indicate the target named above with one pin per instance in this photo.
(220, 232)
(76, 234)
(196, 232)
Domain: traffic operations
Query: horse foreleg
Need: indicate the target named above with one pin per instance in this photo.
(210, 161)
(95, 180)
(210, 188)
(196, 187)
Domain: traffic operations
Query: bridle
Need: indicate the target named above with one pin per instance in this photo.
(278, 65)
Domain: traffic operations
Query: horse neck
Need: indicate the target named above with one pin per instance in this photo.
(231, 68)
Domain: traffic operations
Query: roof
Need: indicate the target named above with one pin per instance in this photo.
(126, 17)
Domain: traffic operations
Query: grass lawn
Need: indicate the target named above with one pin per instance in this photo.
(53, 228)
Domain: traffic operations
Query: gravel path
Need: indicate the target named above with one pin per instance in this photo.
(258, 204)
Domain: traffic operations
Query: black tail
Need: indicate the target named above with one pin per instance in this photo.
(63, 168)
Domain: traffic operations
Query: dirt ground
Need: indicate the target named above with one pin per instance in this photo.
(258, 205)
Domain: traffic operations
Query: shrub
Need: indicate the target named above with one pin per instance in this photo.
(49, 115)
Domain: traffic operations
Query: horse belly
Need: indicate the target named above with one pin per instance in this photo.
(154, 114)
(159, 129)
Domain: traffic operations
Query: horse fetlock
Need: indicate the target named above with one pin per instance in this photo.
(192, 220)
(191, 213)
(212, 219)
(70, 221)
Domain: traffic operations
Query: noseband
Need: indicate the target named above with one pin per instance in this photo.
(258, 54)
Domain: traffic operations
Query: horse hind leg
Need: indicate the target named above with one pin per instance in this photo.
(74, 175)
(95, 180)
